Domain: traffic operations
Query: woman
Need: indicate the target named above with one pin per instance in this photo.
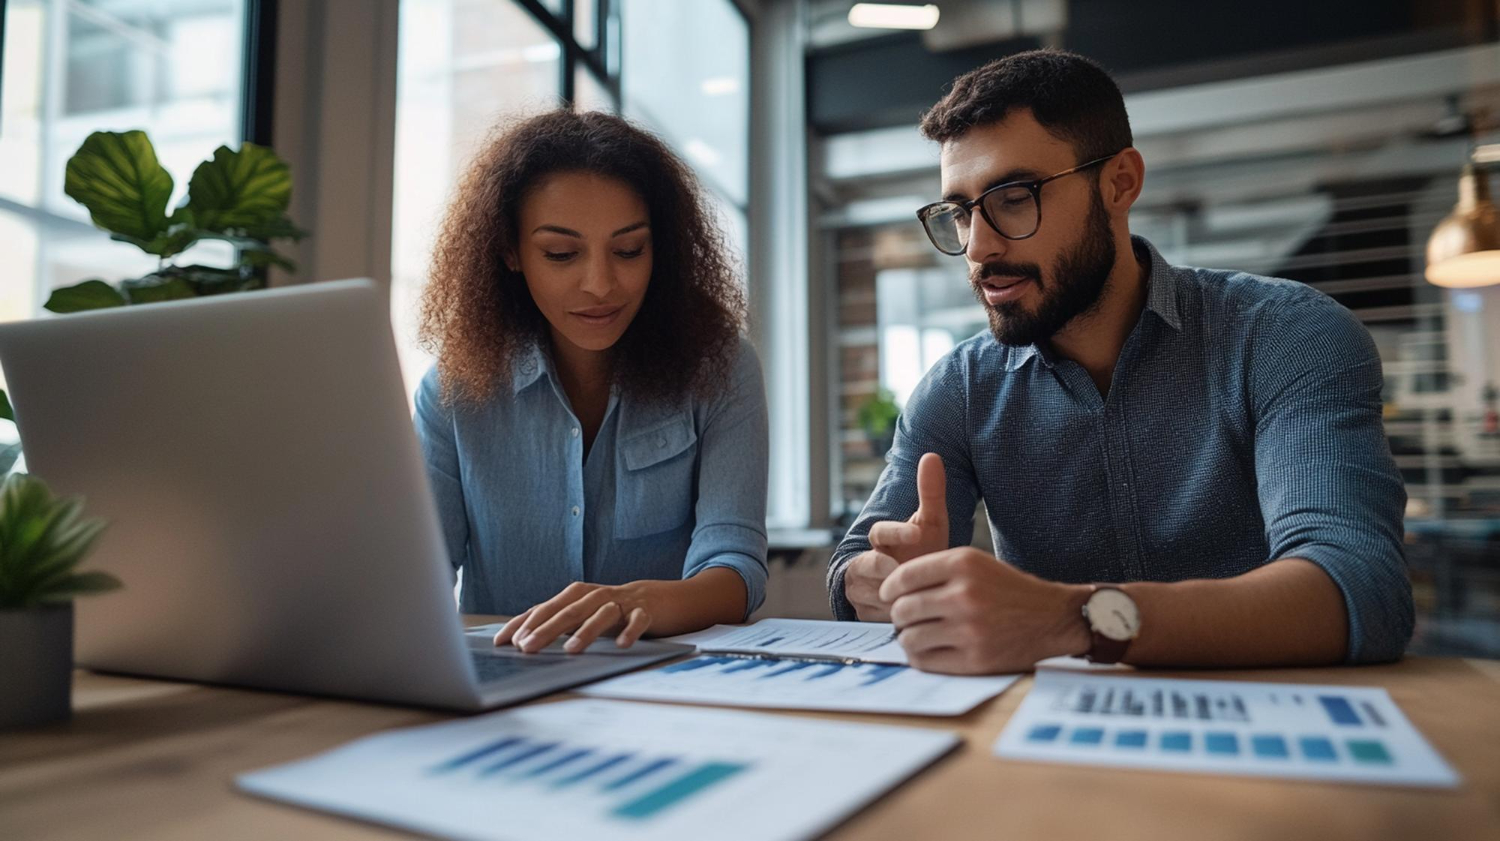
(595, 426)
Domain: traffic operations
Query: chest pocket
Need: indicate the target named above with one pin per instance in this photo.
(657, 482)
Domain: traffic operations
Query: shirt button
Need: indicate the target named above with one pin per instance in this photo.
(575, 432)
(575, 511)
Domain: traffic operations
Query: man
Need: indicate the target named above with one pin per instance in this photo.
(1212, 439)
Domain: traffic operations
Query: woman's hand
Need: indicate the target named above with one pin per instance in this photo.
(585, 610)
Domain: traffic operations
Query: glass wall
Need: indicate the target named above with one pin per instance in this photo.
(466, 65)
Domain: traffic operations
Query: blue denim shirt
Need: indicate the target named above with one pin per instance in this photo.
(666, 492)
(1242, 425)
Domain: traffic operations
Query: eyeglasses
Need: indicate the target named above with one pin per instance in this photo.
(1014, 210)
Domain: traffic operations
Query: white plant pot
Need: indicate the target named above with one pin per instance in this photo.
(36, 666)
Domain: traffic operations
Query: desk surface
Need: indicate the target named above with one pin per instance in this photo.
(155, 759)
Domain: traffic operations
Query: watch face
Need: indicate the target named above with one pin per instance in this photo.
(1113, 614)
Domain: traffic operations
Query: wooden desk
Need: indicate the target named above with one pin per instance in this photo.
(155, 760)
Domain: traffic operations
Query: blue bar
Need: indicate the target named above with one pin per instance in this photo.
(678, 790)
(791, 668)
(1043, 733)
(773, 640)
(516, 758)
(1372, 714)
(1269, 747)
(830, 669)
(748, 664)
(697, 663)
(492, 747)
(1177, 742)
(1087, 736)
(881, 672)
(1340, 711)
(1318, 749)
(641, 773)
(593, 770)
(1130, 739)
(560, 762)
(1222, 743)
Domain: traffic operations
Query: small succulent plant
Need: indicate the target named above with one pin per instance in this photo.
(43, 539)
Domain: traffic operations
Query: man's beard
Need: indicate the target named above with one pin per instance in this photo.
(1072, 290)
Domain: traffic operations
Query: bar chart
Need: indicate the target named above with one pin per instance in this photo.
(801, 683)
(608, 770)
(1354, 734)
(639, 786)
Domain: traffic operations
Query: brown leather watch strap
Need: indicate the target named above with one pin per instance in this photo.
(1104, 649)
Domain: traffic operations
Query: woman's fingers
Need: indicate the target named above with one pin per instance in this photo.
(543, 612)
(639, 622)
(606, 617)
(508, 631)
(563, 621)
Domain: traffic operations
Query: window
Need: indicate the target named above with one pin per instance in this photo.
(464, 65)
(686, 75)
(171, 67)
(461, 66)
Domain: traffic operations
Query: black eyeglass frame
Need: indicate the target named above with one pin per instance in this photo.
(967, 207)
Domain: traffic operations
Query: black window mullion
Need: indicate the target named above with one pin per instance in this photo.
(259, 71)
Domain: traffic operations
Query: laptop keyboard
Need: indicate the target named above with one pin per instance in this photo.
(493, 667)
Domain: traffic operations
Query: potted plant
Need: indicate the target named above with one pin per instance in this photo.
(239, 197)
(877, 417)
(43, 539)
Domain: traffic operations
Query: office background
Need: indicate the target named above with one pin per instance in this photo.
(1320, 142)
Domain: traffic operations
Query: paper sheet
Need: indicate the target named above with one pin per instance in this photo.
(867, 642)
(1353, 734)
(610, 771)
(802, 684)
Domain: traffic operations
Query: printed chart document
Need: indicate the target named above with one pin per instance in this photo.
(609, 771)
(801, 683)
(865, 642)
(1344, 733)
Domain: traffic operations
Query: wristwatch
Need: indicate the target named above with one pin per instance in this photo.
(1113, 621)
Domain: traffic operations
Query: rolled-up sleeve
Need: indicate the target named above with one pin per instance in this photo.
(1329, 490)
(933, 421)
(435, 431)
(734, 461)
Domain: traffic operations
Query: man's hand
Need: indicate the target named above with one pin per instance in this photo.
(961, 611)
(892, 543)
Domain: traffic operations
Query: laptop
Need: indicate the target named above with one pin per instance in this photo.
(268, 506)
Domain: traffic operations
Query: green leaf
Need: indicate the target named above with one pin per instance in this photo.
(117, 177)
(88, 295)
(169, 243)
(81, 584)
(259, 258)
(208, 280)
(281, 228)
(43, 539)
(157, 287)
(6, 411)
(240, 190)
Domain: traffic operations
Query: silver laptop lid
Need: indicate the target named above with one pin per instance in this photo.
(268, 505)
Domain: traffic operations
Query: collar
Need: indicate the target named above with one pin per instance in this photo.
(1161, 299)
(529, 367)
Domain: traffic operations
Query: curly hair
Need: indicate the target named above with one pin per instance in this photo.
(478, 316)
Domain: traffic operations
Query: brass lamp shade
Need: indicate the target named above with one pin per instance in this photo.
(1464, 249)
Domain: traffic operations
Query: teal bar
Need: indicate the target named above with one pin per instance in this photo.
(679, 789)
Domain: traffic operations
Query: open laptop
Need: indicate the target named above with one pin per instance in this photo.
(268, 506)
